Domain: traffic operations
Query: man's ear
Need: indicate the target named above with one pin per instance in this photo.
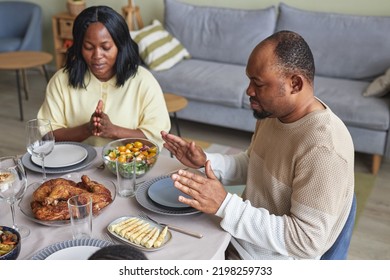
(296, 83)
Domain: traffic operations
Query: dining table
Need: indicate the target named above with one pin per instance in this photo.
(181, 246)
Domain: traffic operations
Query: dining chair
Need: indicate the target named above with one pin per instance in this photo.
(339, 249)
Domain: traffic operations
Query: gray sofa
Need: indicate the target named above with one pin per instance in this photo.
(349, 51)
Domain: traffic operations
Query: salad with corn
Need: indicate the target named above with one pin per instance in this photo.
(132, 155)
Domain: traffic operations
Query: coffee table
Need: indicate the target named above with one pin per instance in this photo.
(174, 104)
(20, 61)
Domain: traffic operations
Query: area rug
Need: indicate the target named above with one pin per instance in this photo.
(364, 182)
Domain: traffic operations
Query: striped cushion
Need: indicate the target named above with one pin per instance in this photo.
(158, 49)
(380, 86)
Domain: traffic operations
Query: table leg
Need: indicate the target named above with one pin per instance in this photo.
(45, 71)
(177, 124)
(25, 84)
(19, 95)
(176, 120)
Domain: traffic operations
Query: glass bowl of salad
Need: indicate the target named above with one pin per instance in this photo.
(131, 154)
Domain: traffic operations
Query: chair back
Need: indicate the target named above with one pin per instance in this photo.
(339, 249)
(20, 26)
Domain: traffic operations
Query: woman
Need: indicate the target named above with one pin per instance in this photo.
(103, 93)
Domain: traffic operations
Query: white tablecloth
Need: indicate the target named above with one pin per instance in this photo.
(181, 247)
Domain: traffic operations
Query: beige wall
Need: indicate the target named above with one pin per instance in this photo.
(151, 9)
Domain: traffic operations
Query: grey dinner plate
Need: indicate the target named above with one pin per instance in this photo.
(29, 164)
(164, 193)
(141, 195)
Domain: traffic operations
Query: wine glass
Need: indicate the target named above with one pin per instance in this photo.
(40, 140)
(13, 184)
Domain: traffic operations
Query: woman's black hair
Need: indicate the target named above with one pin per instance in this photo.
(127, 60)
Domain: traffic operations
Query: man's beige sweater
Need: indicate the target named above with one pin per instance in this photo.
(299, 187)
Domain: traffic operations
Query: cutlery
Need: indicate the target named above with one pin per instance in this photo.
(172, 227)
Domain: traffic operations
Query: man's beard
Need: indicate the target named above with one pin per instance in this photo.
(261, 115)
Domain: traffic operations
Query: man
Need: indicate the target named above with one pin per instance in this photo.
(298, 169)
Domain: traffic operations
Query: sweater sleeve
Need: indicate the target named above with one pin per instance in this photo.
(230, 169)
(254, 225)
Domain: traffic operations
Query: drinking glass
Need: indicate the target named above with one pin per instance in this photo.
(13, 184)
(40, 140)
(126, 186)
(80, 212)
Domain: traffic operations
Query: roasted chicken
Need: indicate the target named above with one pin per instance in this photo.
(50, 199)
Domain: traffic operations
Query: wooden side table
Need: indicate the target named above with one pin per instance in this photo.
(175, 103)
(20, 61)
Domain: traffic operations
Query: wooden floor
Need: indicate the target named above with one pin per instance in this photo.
(371, 238)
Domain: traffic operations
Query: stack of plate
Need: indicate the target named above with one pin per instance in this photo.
(160, 196)
(65, 157)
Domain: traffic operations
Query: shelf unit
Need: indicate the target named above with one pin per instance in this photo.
(62, 24)
(133, 17)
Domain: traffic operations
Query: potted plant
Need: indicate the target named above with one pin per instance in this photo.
(75, 6)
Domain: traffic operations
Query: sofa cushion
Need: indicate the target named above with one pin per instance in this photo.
(157, 48)
(218, 34)
(344, 46)
(345, 99)
(380, 86)
(223, 84)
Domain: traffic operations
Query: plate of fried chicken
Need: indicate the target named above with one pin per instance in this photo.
(46, 203)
